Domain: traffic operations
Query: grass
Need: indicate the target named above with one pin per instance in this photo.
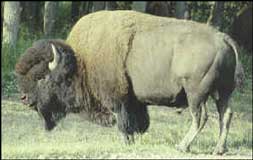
(23, 135)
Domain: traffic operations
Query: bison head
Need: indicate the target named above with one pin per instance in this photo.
(45, 75)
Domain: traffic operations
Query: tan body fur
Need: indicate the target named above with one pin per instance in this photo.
(161, 61)
(161, 55)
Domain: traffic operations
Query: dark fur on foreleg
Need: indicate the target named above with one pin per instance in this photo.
(132, 118)
(141, 113)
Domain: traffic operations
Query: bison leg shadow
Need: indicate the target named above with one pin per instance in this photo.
(132, 117)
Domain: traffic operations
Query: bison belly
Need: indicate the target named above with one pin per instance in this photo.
(149, 67)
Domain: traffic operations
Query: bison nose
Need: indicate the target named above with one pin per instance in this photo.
(23, 97)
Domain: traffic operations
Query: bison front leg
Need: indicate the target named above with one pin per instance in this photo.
(199, 119)
(126, 124)
(104, 118)
(132, 118)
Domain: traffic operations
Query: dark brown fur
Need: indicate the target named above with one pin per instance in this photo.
(32, 68)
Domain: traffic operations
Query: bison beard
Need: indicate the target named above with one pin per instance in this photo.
(49, 105)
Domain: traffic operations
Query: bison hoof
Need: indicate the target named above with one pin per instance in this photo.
(110, 121)
(49, 126)
(219, 150)
(107, 120)
(129, 139)
(182, 148)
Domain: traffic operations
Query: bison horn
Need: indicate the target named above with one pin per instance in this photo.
(52, 65)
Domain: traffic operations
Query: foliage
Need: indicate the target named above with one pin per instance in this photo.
(10, 55)
(9, 59)
(9, 84)
(246, 61)
(25, 40)
(63, 23)
(124, 5)
(200, 11)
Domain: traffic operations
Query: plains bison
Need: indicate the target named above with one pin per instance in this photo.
(122, 61)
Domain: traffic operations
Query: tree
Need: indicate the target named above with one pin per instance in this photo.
(159, 8)
(98, 5)
(32, 15)
(241, 29)
(2, 18)
(85, 7)
(215, 17)
(75, 10)
(11, 22)
(50, 17)
(110, 5)
(124, 5)
(139, 6)
(182, 11)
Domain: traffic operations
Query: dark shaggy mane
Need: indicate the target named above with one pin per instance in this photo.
(40, 52)
(34, 64)
(86, 102)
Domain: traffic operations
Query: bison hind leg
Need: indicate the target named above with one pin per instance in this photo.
(225, 116)
(132, 117)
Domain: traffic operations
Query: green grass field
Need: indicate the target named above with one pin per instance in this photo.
(23, 135)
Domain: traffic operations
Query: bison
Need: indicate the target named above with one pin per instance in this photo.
(119, 62)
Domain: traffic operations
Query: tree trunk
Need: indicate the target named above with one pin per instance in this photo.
(182, 11)
(31, 15)
(241, 28)
(139, 6)
(215, 17)
(2, 19)
(98, 5)
(75, 11)
(84, 8)
(110, 5)
(158, 8)
(50, 17)
(11, 22)
(90, 6)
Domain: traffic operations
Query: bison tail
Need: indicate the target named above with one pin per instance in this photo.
(239, 75)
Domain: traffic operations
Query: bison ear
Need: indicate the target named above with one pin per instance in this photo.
(56, 57)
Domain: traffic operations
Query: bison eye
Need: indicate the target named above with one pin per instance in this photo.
(39, 77)
(61, 50)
